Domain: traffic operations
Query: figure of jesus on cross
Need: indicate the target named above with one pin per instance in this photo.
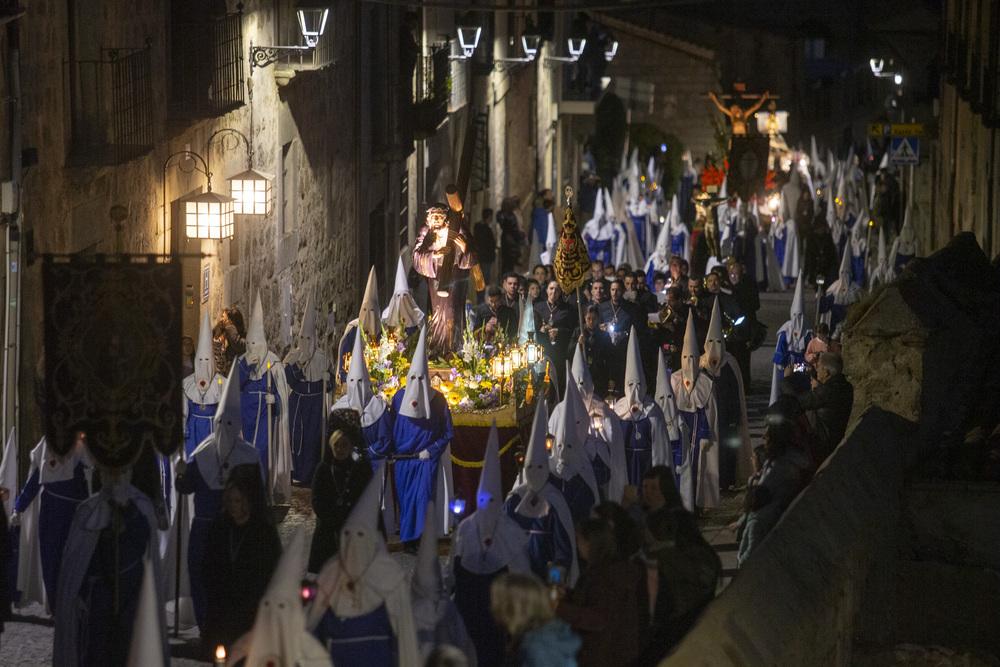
(737, 115)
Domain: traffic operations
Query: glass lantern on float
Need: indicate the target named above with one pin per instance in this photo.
(532, 353)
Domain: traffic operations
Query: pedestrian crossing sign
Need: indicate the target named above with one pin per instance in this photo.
(904, 150)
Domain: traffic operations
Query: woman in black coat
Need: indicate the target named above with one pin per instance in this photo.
(338, 482)
(241, 552)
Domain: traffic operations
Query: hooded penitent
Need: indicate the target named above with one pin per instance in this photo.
(689, 356)
(8, 472)
(581, 371)
(536, 466)
(635, 379)
(571, 429)
(906, 246)
(883, 271)
(402, 310)
(256, 338)
(359, 538)
(664, 397)
(215, 455)
(359, 388)
(369, 319)
(489, 495)
(279, 635)
(797, 317)
(843, 290)
(426, 584)
(417, 395)
(307, 332)
(715, 343)
(204, 356)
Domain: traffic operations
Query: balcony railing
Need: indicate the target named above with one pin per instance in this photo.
(206, 66)
(111, 107)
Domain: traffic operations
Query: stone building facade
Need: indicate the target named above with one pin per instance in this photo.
(325, 123)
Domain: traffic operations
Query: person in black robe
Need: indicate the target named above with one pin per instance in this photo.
(598, 346)
(242, 549)
(339, 481)
(556, 329)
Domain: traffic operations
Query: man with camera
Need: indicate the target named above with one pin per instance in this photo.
(827, 403)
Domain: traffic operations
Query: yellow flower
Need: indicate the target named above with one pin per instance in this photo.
(447, 386)
(454, 398)
(486, 384)
(402, 380)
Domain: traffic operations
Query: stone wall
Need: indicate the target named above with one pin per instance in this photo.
(308, 130)
(824, 575)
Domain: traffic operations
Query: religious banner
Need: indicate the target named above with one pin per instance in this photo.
(113, 356)
(748, 165)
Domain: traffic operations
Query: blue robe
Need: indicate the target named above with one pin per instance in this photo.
(55, 516)
(577, 494)
(378, 437)
(783, 356)
(359, 640)
(779, 249)
(838, 313)
(548, 540)
(640, 230)
(678, 245)
(254, 409)
(638, 448)
(857, 271)
(695, 420)
(199, 425)
(108, 636)
(600, 250)
(416, 479)
(305, 422)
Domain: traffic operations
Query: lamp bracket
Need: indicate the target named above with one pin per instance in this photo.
(262, 56)
(555, 61)
(504, 64)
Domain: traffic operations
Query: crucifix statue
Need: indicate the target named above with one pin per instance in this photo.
(737, 115)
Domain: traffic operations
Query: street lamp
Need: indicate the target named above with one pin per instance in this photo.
(251, 189)
(312, 24)
(576, 46)
(206, 216)
(468, 39)
(530, 41)
(611, 51)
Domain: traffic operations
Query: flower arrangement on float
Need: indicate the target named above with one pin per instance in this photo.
(480, 375)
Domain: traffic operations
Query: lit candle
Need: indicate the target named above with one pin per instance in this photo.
(220, 655)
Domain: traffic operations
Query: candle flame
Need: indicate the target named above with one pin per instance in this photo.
(220, 652)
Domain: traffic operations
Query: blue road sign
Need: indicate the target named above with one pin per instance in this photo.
(904, 150)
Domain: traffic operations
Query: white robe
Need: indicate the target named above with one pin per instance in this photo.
(701, 489)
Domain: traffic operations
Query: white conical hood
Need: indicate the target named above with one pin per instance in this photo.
(307, 332)
(551, 238)
(489, 495)
(369, 319)
(598, 209)
(661, 252)
(204, 356)
(280, 626)
(664, 396)
(845, 267)
(715, 343)
(359, 388)
(526, 331)
(635, 379)
(148, 639)
(723, 189)
(256, 338)
(359, 538)
(402, 310)
(581, 373)
(814, 160)
(426, 584)
(689, 355)
(417, 395)
(676, 224)
(906, 244)
(228, 421)
(609, 207)
(536, 459)
(570, 429)
(882, 252)
(797, 314)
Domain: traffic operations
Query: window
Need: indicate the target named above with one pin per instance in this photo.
(206, 63)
